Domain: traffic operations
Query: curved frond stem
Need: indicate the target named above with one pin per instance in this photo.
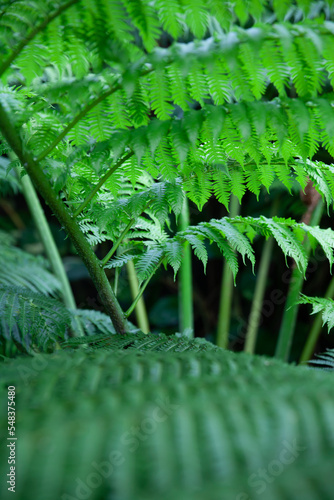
(117, 243)
(101, 182)
(50, 246)
(76, 119)
(5, 8)
(5, 65)
(81, 115)
(142, 289)
(82, 246)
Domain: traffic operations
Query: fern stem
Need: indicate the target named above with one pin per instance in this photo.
(226, 291)
(83, 113)
(142, 289)
(255, 314)
(185, 279)
(100, 183)
(50, 247)
(288, 325)
(140, 308)
(117, 243)
(316, 329)
(73, 230)
(5, 65)
(260, 287)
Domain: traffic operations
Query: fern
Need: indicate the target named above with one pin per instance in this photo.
(19, 268)
(117, 109)
(325, 306)
(31, 320)
(142, 342)
(8, 181)
(191, 390)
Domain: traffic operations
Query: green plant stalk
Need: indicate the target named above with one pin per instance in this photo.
(140, 309)
(83, 248)
(141, 290)
(5, 65)
(100, 183)
(260, 288)
(289, 320)
(117, 243)
(49, 244)
(316, 329)
(185, 296)
(226, 292)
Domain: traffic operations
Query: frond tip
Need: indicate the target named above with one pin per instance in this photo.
(320, 305)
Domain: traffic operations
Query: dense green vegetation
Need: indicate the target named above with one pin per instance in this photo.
(148, 135)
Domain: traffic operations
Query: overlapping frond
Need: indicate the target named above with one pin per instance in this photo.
(186, 418)
(31, 320)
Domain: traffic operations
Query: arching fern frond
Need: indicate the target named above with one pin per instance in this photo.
(237, 234)
(183, 397)
(141, 342)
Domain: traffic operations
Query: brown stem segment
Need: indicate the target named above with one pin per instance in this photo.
(83, 248)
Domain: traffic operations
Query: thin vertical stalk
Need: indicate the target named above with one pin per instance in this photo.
(291, 306)
(49, 244)
(185, 295)
(226, 292)
(140, 309)
(260, 287)
(316, 329)
(141, 290)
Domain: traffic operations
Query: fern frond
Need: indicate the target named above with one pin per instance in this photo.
(322, 305)
(147, 263)
(171, 391)
(31, 320)
(8, 181)
(20, 268)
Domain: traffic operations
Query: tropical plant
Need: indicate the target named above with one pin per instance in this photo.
(152, 416)
(113, 134)
(119, 111)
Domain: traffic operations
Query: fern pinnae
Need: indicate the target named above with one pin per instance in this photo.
(323, 305)
(148, 262)
(100, 183)
(38, 29)
(145, 270)
(29, 316)
(117, 243)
